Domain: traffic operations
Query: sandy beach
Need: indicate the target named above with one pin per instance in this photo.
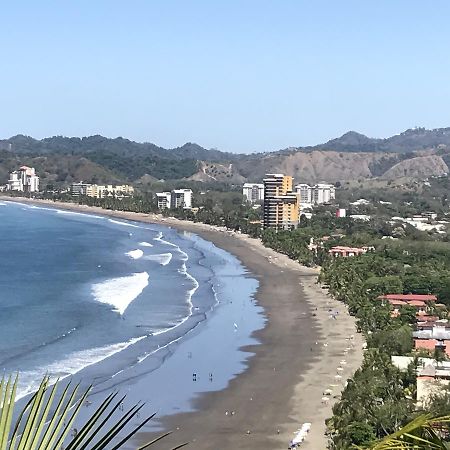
(308, 346)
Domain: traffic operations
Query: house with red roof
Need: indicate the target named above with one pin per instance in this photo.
(418, 301)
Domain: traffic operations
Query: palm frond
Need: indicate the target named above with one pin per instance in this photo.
(423, 432)
(44, 424)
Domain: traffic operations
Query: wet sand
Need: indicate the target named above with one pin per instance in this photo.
(303, 352)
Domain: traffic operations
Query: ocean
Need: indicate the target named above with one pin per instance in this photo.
(121, 305)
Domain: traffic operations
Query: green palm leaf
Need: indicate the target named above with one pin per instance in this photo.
(423, 432)
(45, 424)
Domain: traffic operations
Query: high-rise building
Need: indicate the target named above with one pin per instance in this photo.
(181, 198)
(163, 199)
(178, 198)
(253, 192)
(317, 194)
(23, 180)
(323, 193)
(281, 206)
(14, 182)
(305, 193)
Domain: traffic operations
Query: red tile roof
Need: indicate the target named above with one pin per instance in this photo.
(416, 303)
(409, 297)
(427, 344)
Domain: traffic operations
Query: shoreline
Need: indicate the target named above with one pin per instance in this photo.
(300, 349)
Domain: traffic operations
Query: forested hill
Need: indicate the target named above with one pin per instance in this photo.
(409, 141)
(413, 153)
(125, 159)
(119, 146)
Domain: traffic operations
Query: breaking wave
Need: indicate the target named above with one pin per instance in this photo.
(120, 292)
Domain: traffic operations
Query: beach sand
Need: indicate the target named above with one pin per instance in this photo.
(302, 347)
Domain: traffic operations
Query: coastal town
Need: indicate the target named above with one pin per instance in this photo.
(309, 224)
(225, 225)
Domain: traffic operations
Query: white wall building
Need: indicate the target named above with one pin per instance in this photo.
(181, 198)
(14, 182)
(79, 189)
(177, 198)
(23, 180)
(253, 192)
(315, 195)
(323, 193)
(163, 199)
(304, 192)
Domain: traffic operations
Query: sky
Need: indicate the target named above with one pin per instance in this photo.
(237, 75)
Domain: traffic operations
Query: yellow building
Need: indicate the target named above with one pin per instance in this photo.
(101, 191)
(281, 205)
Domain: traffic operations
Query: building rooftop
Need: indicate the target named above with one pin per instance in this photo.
(409, 297)
(343, 248)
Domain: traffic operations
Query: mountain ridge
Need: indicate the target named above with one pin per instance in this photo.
(415, 152)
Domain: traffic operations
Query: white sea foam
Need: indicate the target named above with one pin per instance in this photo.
(135, 254)
(163, 258)
(159, 238)
(125, 224)
(145, 244)
(2, 204)
(63, 211)
(29, 380)
(120, 292)
(189, 294)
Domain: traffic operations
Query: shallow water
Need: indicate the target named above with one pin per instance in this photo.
(127, 305)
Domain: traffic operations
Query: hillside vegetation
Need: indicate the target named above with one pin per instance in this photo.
(415, 153)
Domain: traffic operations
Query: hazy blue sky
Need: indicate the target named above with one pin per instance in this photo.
(236, 75)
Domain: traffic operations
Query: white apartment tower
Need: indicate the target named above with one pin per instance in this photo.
(253, 192)
(181, 198)
(23, 180)
(317, 195)
(323, 193)
(163, 199)
(304, 192)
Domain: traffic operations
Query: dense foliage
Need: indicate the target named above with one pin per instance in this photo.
(378, 400)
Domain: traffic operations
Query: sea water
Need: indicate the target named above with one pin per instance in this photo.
(109, 301)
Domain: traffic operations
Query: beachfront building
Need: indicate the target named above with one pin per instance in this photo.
(315, 195)
(163, 200)
(23, 180)
(101, 191)
(177, 198)
(109, 190)
(341, 251)
(253, 192)
(181, 198)
(281, 205)
(79, 189)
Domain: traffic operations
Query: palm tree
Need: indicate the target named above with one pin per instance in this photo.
(45, 423)
(424, 433)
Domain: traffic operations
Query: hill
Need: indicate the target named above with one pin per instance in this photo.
(414, 153)
(409, 141)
